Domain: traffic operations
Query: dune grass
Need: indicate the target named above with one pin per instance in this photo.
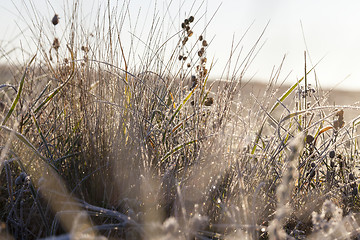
(105, 138)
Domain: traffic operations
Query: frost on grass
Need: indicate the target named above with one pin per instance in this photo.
(284, 190)
(330, 223)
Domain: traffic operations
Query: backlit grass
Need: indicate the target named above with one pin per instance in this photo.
(106, 138)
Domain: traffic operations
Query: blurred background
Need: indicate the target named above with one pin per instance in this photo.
(328, 30)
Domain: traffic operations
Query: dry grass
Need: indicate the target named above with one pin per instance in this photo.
(97, 144)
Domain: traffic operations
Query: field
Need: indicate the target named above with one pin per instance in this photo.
(97, 144)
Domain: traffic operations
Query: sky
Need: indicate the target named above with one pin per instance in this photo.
(329, 31)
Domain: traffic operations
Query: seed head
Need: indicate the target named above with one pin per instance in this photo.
(191, 19)
(56, 44)
(85, 49)
(209, 101)
(185, 40)
(55, 19)
(309, 139)
(332, 154)
(194, 81)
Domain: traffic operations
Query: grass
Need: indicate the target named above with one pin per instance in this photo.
(102, 138)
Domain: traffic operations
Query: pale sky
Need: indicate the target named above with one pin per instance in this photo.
(331, 30)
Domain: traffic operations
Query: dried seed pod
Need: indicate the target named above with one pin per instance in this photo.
(183, 25)
(187, 28)
(309, 139)
(193, 79)
(340, 114)
(185, 40)
(204, 43)
(190, 33)
(332, 154)
(184, 58)
(85, 49)
(200, 53)
(188, 65)
(186, 21)
(56, 44)
(55, 19)
(201, 38)
(191, 18)
(339, 123)
(209, 101)
(180, 57)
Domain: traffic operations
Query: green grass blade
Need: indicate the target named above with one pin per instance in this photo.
(24, 140)
(175, 149)
(42, 136)
(177, 111)
(16, 100)
(282, 98)
(286, 94)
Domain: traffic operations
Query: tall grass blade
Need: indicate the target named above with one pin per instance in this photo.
(19, 91)
(175, 149)
(57, 90)
(24, 140)
(42, 137)
(282, 98)
(177, 111)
